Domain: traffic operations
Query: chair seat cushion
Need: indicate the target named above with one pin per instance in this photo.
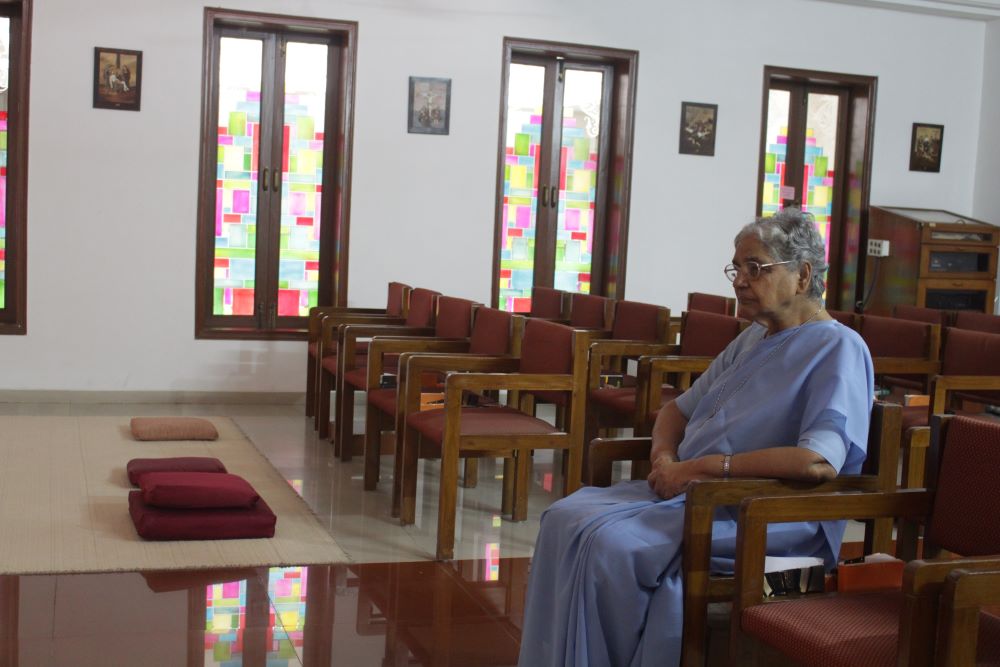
(622, 399)
(173, 428)
(480, 421)
(196, 490)
(136, 468)
(158, 523)
(844, 630)
(988, 647)
(329, 363)
(383, 399)
(313, 349)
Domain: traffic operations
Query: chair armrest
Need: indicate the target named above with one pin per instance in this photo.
(382, 345)
(965, 592)
(905, 366)
(600, 349)
(676, 364)
(317, 313)
(605, 451)
(942, 384)
(413, 364)
(757, 513)
(329, 324)
(348, 335)
(923, 576)
(456, 383)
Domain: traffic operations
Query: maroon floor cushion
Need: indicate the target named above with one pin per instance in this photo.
(138, 467)
(158, 523)
(173, 428)
(197, 490)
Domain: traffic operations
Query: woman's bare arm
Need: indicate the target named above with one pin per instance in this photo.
(668, 431)
(670, 477)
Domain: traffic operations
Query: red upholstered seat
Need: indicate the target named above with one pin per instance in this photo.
(988, 648)
(623, 399)
(842, 631)
(707, 334)
(479, 421)
(637, 321)
(196, 490)
(547, 303)
(330, 363)
(136, 468)
(588, 311)
(976, 321)
(383, 399)
(157, 523)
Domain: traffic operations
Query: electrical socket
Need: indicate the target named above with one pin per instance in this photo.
(878, 248)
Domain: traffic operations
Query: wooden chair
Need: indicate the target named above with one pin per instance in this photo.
(889, 627)
(963, 624)
(396, 305)
(905, 352)
(711, 303)
(553, 361)
(702, 586)
(494, 333)
(548, 303)
(589, 311)
(942, 318)
(330, 363)
(422, 320)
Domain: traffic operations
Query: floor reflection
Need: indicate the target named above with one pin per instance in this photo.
(463, 613)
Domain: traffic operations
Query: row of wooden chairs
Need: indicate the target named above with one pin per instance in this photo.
(960, 319)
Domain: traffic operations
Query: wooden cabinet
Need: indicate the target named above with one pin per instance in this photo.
(937, 259)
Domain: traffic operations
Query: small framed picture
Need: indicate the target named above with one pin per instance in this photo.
(117, 78)
(925, 147)
(429, 110)
(698, 128)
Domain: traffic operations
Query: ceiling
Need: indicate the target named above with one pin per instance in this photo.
(983, 10)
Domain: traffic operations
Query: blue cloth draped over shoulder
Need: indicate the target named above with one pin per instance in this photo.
(605, 585)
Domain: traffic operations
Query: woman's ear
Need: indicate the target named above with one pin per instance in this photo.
(805, 277)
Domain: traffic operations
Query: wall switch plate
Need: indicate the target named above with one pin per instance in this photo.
(878, 248)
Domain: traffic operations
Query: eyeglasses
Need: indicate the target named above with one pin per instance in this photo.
(751, 269)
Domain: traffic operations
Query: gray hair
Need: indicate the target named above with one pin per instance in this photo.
(791, 235)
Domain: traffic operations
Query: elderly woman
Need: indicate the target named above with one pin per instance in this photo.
(789, 398)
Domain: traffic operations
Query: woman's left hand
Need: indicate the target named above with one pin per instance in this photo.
(672, 478)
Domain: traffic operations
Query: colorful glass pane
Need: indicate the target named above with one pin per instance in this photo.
(520, 185)
(236, 178)
(581, 127)
(818, 164)
(4, 78)
(302, 178)
(286, 587)
(774, 151)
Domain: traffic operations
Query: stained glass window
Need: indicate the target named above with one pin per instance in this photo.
(286, 587)
(4, 80)
(818, 165)
(236, 177)
(225, 620)
(774, 151)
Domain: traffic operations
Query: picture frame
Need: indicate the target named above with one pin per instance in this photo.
(429, 108)
(925, 147)
(698, 125)
(117, 78)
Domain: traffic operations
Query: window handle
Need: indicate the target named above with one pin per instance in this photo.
(263, 179)
(554, 196)
(276, 180)
(545, 196)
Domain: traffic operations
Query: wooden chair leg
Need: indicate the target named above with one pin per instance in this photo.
(373, 446)
(507, 497)
(522, 478)
(447, 500)
(344, 423)
(310, 385)
(471, 477)
(323, 405)
(408, 478)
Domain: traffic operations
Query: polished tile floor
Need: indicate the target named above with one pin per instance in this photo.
(391, 605)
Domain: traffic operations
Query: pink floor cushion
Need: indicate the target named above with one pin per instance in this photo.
(158, 523)
(136, 468)
(173, 428)
(197, 490)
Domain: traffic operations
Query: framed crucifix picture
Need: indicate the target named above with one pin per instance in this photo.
(429, 110)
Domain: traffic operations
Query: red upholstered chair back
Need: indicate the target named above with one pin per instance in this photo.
(970, 353)
(891, 337)
(706, 334)
(711, 303)
(588, 311)
(920, 314)
(454, 317)
(547, 347)
(842, 316)
(976, 321)
(422, 308)
(639, 321)
(491, 331)
(547, 302)
(965, 518)
(396, 302)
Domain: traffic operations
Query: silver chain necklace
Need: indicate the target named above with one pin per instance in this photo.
(718, 399)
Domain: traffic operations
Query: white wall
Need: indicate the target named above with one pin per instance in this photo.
(986, 205)
(112, 194)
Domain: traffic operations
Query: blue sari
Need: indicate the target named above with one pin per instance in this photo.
(607, 563)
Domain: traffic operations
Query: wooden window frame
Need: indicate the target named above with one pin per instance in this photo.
(13, 317)
(335, 216)
(614, 170)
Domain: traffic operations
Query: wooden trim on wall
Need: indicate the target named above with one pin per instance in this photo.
(14, 317)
